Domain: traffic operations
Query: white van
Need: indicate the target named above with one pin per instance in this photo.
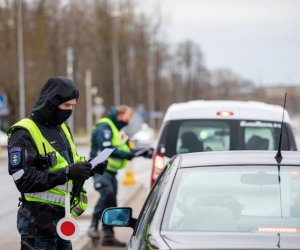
(220, 125)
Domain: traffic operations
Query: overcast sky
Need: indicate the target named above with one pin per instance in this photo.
(257, 39)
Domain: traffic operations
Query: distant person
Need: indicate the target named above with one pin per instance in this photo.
(42, 158)
(108, 134)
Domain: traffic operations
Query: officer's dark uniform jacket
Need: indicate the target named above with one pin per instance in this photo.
(30, 175)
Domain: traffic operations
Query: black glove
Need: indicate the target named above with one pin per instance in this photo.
(130, 156)
(99, 169)
(149, 153)
(79, 171)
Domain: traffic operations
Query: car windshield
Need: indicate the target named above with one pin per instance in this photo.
(234, 199)
(186, 136)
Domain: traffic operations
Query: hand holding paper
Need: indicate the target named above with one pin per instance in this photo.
(146, 152)
(101, 157)
(99, 163)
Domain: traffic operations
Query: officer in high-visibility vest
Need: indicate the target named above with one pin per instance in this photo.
(108, 134)
(42, 158)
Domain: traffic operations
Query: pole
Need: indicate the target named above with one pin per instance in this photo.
(21, 62)
(115, 54)
(88, 98)
(70, 75)
(151, 87)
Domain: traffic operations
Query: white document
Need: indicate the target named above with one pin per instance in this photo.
(101, 157)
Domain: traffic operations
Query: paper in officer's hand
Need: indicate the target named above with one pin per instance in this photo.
(141, 151)
(101, 157)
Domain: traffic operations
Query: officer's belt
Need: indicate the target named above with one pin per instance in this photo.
(36, 207)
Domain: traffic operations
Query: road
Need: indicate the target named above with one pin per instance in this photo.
(9, 195)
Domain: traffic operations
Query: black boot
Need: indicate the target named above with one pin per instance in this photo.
(93, 230)
(110, 240)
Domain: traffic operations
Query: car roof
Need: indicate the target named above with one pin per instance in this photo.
(227, 158)
(207, 109)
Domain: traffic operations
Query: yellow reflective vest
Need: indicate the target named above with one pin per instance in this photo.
(114, 164)
(54, 196)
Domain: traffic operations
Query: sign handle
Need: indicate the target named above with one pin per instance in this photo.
(67, 202)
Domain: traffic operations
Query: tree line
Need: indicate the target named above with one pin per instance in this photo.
(153, 74)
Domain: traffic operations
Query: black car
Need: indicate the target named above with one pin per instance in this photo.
(219, 200)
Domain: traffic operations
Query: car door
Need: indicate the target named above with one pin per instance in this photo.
(140, 238)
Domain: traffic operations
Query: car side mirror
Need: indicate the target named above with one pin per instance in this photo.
(118, 217)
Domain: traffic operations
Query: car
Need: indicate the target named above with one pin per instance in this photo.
(201, 125)
(219, 200)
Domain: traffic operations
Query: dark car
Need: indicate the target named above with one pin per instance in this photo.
(219, 200)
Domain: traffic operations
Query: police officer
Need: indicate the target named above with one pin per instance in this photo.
(42, 158)
(108, 134)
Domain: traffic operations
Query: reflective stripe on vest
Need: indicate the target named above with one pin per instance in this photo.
(55, 195)
(81, 206)
(46, 197)
(115, 164)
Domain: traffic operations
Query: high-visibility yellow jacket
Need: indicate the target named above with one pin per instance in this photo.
(114, 164)
(55, 196)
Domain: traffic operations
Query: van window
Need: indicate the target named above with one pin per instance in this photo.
(259, 135)
(186, 136)
(259, 138)
(197, 136)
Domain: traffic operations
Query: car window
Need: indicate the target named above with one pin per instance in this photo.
(150, 205)
(239, 199)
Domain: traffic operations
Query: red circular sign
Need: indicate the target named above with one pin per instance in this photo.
(67, 228)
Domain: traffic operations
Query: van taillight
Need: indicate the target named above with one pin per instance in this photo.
(158, 164)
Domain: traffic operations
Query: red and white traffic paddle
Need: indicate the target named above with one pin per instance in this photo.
(67, 228)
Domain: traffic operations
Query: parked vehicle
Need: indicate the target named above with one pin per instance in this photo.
(219, 200)
(197, 126)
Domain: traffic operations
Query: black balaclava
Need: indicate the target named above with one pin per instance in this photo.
(112, 115)
(61, 115)
(56, 91)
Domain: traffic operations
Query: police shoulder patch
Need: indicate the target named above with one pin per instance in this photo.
(14, 149)
(107, 134)
(15, 156)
